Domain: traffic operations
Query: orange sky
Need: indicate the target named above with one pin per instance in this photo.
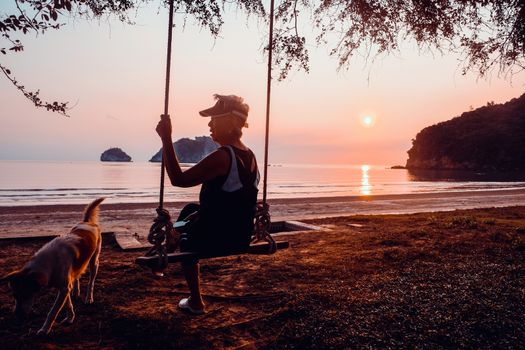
(114, 75)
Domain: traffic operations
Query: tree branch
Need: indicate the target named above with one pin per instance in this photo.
(58, 107)
(30, 22)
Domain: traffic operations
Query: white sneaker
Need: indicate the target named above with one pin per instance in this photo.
(184, 304)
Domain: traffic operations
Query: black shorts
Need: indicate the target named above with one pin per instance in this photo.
(210, 236)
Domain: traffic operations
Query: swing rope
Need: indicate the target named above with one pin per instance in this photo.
(162, 226)
(262, 214)
(166, 96)
(268, 95)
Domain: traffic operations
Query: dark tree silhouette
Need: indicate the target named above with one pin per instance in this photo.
(487, 138)
(489, 34)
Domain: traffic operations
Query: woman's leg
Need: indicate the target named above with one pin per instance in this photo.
(191, 273)
(173, 236)
(191, 268)
(188, 209)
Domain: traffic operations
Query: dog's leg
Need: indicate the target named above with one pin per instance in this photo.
(63, 293)
(75, 293)
(70, 311)
(93, 270)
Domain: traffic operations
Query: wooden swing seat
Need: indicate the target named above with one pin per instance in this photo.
(254, 249)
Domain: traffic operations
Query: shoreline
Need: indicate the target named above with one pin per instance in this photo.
(51, 220)
(290, 200)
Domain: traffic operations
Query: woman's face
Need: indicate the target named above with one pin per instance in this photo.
(220, 128)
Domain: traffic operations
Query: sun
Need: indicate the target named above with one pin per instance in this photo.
(367, 121)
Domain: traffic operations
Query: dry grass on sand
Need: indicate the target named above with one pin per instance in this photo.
(431, 280)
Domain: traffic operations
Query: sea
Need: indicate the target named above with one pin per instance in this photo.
(24, 183)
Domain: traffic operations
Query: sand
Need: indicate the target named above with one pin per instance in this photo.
(50, 220)
(438, 280)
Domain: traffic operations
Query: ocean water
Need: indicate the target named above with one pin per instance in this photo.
(60, 182)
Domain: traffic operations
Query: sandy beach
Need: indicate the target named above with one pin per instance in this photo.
(51, 220)
(435, 279)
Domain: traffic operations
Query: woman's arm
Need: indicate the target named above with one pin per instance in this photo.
(215, 164)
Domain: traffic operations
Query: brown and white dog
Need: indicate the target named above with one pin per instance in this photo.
(59, 264)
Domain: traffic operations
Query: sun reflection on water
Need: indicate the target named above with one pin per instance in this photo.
(366, 188)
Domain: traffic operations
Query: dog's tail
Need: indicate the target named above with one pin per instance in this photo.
(91, 211)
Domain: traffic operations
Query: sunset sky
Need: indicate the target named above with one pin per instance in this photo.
(113, 74)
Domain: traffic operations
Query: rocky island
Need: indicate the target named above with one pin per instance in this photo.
(490, 138)
(190, 150)
(114, 154)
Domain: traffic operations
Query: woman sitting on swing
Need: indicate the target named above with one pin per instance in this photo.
(222, 222)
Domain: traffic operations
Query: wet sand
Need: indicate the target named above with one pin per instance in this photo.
(51, 220)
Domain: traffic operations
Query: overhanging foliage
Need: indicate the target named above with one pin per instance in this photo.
(489, 34)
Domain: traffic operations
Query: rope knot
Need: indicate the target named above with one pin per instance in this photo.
(161, 228)
(262, 226)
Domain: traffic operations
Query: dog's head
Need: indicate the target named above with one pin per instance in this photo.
(24, 285)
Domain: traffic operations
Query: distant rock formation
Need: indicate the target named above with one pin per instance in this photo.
(189, 150)
(488, 138)
(114, 154)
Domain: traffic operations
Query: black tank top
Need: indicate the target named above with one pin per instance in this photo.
(227, 203)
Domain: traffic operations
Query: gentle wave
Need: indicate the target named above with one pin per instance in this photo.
(56, 189)
(80, 182)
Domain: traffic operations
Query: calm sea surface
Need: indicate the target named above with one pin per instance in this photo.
(55, 182)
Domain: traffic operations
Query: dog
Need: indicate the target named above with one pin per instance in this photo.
(59, 264)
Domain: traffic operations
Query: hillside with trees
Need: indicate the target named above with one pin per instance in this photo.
(488, 138)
